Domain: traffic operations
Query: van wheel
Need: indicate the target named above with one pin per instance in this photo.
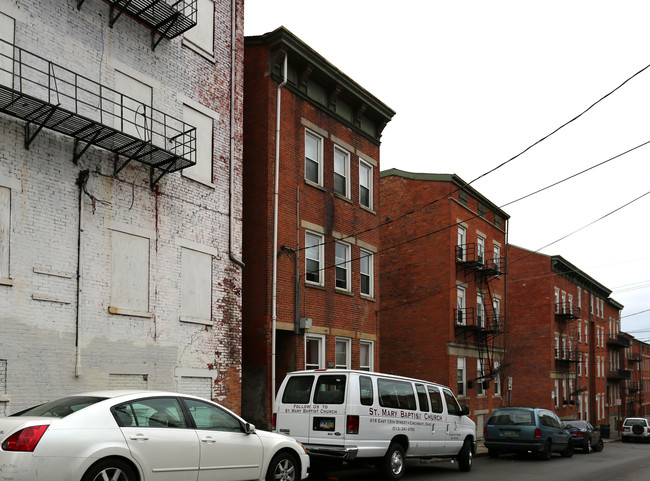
(546, 452)
(465, 457)
(392, 464)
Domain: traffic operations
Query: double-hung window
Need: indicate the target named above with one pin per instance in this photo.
(342, 354)
(497, 256)
(480, 250)
(480, 377)
(366, 356)
(462, 240)
(365, 184)
(342, 266)
(314, 352)
(480, 311)
(366, 273)
(461, 318)
(341, 172)
(314, 258)
(313, 158)
(461, 377)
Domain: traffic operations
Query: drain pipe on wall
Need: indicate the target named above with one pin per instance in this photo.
(233, 72)
(274, 288)
(81, 182)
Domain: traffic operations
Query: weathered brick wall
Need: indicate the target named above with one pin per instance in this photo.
(38, 313)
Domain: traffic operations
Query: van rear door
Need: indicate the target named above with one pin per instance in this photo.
(294, 406)
(327, 421)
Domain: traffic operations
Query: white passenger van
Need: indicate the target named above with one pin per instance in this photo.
(380, 418)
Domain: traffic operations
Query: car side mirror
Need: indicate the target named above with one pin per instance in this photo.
(464, 410)
(249, 428)
(568, 426)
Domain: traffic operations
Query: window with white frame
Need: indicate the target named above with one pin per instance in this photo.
(461, 318)
(586, 365)
(366, 356)
(129, 272)
(202, 171)
(366, 273)
(5, 230)
(580, 364)
(557, 393)
(602, 309)
(563, 302)
(579, 331)
(313, 157)
(497, 256)
(565, 399)
(598, 416)
(462, 240)
(557, 345)
(480, 310)
(586, 332)
(597, 366)
(341, 171)
(496, 321)
(202, 34)
(196, 286)
(365, 184)
(314, 352)
(461, 376)
(497, 378)
(342, 266)
(557, 301)
(314, 258)
(342, 353)
(570, 304)
(480, 249)
(591, 303)
(480, 377)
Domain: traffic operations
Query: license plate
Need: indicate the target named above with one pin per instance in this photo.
(508, 433)
(324, 424)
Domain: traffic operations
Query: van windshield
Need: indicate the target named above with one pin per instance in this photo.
(330, 390)
(298, 390)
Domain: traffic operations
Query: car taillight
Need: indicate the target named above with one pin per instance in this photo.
(352, 426)
(274, 421)
(538, 433)
(24, 440)
(580, 434)
(485, 431)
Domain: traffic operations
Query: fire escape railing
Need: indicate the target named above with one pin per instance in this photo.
(46, 95)
(165, 18)
(566, 311)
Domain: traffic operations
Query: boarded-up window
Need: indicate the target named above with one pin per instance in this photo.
(196, 386)
(5, 228)
(128, 381)
(129, 272)
(196, 287)
(202, 171)
(202, 35)
(132, 106)
(6, 49)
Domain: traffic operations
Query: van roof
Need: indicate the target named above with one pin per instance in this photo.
(365, 373)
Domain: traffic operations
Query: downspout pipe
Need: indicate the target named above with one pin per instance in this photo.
(233, 78)
(81, 182)
(274, 253)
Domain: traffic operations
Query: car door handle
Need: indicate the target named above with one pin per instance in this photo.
(208, 439)
(139, 437)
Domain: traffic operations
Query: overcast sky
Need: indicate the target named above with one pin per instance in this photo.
(474, 83)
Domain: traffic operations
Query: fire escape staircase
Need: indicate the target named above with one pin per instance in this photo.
(484, 329)
(567, 359)
(46, 95)
(165, 18)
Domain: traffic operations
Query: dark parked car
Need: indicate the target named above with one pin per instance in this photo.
(527, 429)
(635, 428)
(584, 436)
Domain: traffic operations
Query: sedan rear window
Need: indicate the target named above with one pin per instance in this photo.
(61, 407)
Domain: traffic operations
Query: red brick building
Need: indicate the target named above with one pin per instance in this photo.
(324, 301)
(636, 389)
(443, 290)
(564, 346)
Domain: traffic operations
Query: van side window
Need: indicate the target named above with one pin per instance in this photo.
(330, 390)
(452, 405)
(365, 390)
(396, 394)
(298, 390)
(436, 399)
(422, 397)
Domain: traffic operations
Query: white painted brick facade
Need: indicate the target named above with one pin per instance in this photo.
(39, 331)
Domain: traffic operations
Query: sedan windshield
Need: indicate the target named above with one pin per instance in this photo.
(61, 407)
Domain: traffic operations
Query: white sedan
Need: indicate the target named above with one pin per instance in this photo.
(142, 436)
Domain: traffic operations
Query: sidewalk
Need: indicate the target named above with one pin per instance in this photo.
(481, 450)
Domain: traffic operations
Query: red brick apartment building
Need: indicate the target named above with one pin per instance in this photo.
(323, 304)
(564, 347)
(443, 289)
(636, 389)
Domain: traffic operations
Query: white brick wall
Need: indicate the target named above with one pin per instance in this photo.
(38, 313)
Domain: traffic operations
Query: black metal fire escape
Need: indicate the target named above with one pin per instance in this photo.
(482, 328)
(165, 18)
(567, 356)
(46, 95)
